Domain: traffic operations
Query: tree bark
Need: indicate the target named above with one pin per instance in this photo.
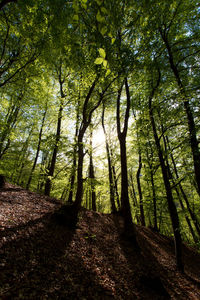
(38, 149)
(55, 151)
(92, 176)
(129, 228)
(142, 218)
(73, 172)
(192, 214)
(171, 205)
(188, 110)
(110, 173)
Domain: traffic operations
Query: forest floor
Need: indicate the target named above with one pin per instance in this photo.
(40, 259)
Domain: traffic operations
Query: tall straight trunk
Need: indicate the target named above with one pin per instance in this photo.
(190, 118)
(142, 218)
(155, 221)
(116, 187)
(91, 175)
(110, 173)
(22, 160)
(115, 180)
(73, 172)
(41, 181)
(171, 205)
(134, 197)
(87, 116)
(84, 125)
(176, 189)
(129, 228)
(51, 168)
(38, 149)
(192, 214)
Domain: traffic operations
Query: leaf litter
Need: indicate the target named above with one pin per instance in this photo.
(40, 259)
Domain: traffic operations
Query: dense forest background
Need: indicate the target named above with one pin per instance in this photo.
(100, 107)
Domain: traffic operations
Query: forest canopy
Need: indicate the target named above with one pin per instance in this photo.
(100, 107)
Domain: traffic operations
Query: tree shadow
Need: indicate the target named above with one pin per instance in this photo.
(43, 261)
(145, 272)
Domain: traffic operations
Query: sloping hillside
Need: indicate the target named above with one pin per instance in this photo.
(40, 259)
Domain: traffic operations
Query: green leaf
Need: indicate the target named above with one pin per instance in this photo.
(113, 40)
(104, 10)
(99, 17)
(102, 52)
(98, 60)
(75, 17)
(84, 5)
(103, 30)
(99, 2)
(105, 63)
(107, 72)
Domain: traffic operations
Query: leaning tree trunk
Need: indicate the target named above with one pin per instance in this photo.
(11, 119)
(171, 205)
(175, 187)
(191, 213)
(190, 118)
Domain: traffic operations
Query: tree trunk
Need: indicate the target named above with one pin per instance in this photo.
(192, 214)
(171, 205)
(188, 110)
(10, 122)
(110, 173)
(73, 173)
(51, 168)
(142, 218)
(38, 149)
(92, 176)
(129, 228)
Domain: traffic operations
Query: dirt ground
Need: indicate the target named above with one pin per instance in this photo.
(41, 259)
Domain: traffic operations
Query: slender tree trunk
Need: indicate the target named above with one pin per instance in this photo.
(24, 155)
(176, 189)
(134, 197)
(129, 228)
(171, 205)
(116, 187)
(142, 218)
(84, 125)
(10, 123)
(188, 110)
(91, 175)
(38, 149)
(55, 151)
(192, 214)
(87, 116)
(155, 221)
(110, 173)
(73, 173)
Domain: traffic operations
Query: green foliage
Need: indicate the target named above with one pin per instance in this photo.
(49, 45)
